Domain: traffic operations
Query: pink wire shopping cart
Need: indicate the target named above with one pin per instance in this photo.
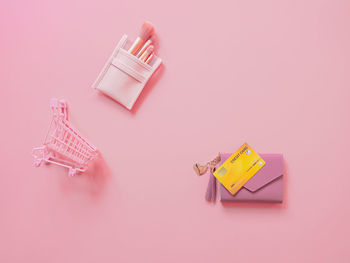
(64, 145)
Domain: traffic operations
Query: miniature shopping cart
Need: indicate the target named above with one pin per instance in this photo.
(63, 144)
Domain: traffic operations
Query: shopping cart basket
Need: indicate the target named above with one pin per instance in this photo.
(63, 144)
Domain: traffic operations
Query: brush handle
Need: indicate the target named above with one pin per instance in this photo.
(149, 58)
(144, 47)
(136, 46)
(145, 56)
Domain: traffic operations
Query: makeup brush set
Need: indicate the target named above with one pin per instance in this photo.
(128, 69)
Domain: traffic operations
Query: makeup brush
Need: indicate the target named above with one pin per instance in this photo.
(143, 49)
(146, 32)
(149, 58)
(147, 53)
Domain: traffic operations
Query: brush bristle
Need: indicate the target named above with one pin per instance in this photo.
(146, 31)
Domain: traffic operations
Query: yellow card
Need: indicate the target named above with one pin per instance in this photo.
(239, 168)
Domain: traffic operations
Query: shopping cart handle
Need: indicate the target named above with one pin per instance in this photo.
(58, 103)
(59, 108)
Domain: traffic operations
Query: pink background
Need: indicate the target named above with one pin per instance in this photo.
(272, 73)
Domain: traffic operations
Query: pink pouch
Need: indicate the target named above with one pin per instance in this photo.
(124, 75)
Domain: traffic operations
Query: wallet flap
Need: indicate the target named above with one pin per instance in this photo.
(272, 170)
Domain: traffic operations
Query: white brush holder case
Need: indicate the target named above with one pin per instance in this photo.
(124, 75)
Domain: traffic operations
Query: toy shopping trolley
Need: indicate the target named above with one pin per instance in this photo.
(63, 144)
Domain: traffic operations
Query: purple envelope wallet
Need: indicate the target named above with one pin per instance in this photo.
(265, 186)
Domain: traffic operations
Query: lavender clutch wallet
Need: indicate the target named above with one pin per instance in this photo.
(265, 186)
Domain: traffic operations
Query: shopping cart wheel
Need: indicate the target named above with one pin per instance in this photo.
(47, 157)
(72, 171)
(37, 162)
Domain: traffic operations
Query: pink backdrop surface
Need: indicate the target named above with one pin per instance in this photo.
(272, 73)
